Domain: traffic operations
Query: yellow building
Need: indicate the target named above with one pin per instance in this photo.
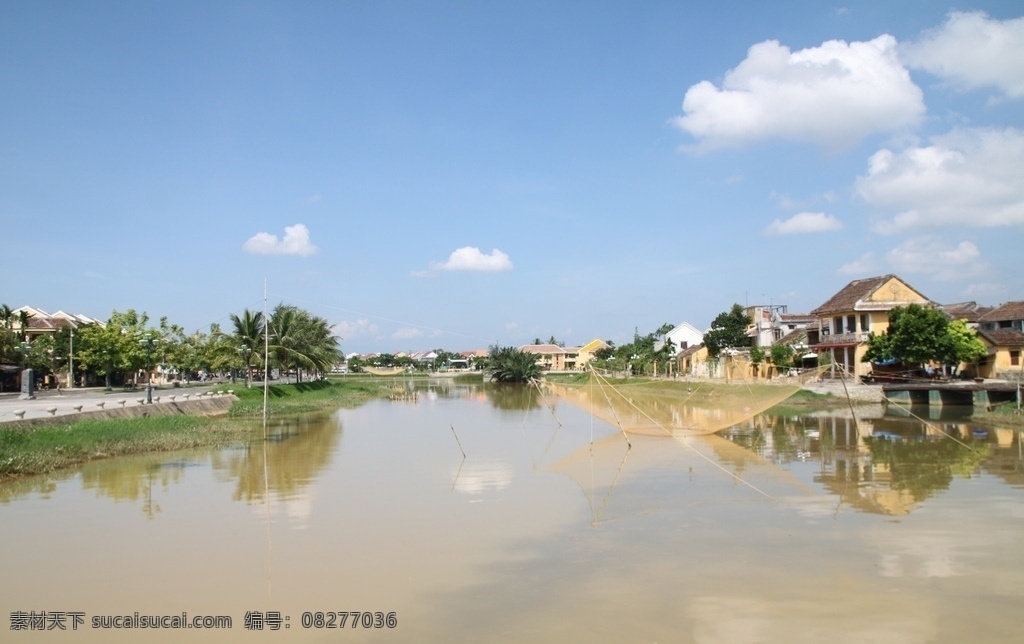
(844, 322)
(1002, 331)
(588, 352)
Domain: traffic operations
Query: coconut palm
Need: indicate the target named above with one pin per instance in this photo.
(508, 364)
(248, 334)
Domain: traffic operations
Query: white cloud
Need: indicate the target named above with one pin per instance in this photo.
(803, 223)
(833, 95)
(349, 330)
(406, 333)
(968, 177)
(866, 264)
(469, 258)
(940, 261)
(971, 51)
(295, 242)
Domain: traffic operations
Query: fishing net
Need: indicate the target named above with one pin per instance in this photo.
(380, 371)
(680, 408)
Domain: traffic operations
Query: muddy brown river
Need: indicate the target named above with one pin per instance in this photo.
(466, 514)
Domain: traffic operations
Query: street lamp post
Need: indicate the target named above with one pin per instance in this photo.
(71, 361)
(147, 342)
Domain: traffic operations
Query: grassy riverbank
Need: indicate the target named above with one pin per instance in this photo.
(26, 450)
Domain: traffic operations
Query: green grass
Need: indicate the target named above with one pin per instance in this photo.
(28, 450)
(305, 396)
(44, 449)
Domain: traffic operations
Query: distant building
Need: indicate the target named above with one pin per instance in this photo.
(845, 320)
(551, 357)
(683, 336)
(1002, 331)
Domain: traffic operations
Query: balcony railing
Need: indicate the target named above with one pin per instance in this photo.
(844, 338)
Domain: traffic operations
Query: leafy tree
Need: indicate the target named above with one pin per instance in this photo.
(964, 345)
(920, 335)
(509, 364)
(781, 355)
(728, 331)
(757, 356)
(120, 346)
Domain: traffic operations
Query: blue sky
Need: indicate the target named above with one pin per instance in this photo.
(458, 174)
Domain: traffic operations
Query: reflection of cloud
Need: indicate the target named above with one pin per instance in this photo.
(929, 553)
(760, 619)
(478, 477)
(295, 508)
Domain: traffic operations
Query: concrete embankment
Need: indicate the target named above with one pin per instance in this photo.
(205, 406)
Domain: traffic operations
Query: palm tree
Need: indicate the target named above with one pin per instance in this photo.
(302, 341)
(248, 334)
(508, 364)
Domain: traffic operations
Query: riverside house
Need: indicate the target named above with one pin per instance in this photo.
(845, 320)
(1002, 331)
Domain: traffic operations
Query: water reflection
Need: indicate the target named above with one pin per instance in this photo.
(296, 451)
(544, 524)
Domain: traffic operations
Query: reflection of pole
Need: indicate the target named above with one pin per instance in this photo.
(457, 440)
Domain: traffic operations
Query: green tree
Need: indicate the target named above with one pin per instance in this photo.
(920, 335)
(118, 346)
(757, 357)
(728, 331)
(249, 340)
(781, 355)
(964, 345)
(509, 364)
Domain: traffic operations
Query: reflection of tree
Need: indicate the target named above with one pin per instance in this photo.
(133, 478)
(297, 450)
(921, 467)
(513, 396)
(17, 488)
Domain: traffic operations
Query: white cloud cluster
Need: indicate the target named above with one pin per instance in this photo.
(833, 95)
(469, 258)
(295, 242)
(360, 328)
(968, 177)
(406, 333)
(929, 256)
(971, 51)
(804, 223)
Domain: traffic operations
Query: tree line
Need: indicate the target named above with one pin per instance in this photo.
(129, 345)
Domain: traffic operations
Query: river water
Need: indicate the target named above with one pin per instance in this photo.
(463, 513)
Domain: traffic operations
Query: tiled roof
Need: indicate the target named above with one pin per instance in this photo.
(796, 317)
(40, 320)
(1003, 337)
(543, 349)
(689, 351)
(1004, 312)
(853, 293)
(969, 311)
